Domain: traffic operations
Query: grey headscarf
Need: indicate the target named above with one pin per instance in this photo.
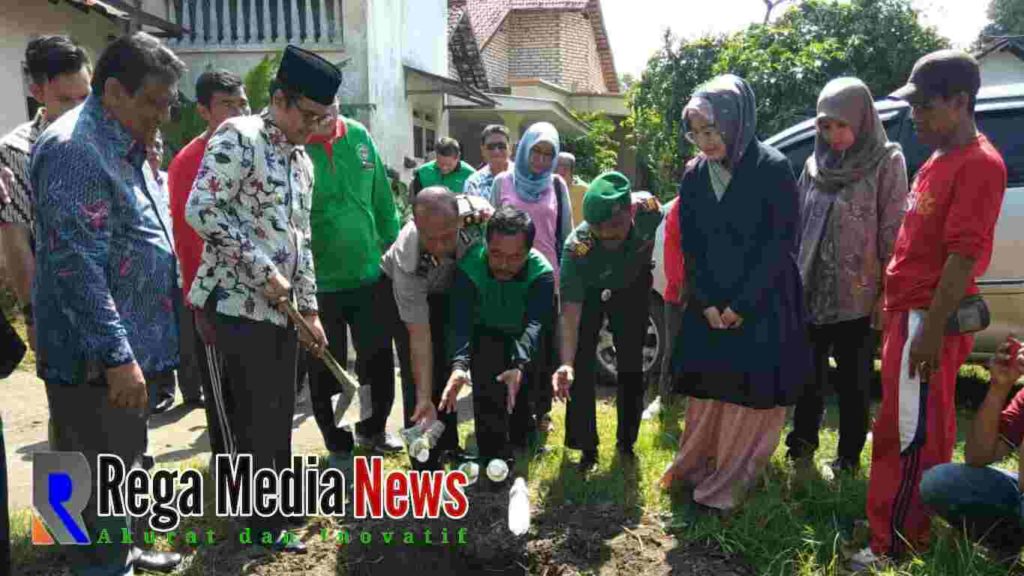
(848, 100)
(728, 102)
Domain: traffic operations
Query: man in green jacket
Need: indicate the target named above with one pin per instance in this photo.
(501, 302)
(448, 170)
(353, 221)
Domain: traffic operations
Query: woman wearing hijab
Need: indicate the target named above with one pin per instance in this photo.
(532, 186)
(853, 191)
(746, 354)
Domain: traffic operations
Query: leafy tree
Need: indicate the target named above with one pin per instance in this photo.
(596, 151)
(786, 63)
(1007, 18)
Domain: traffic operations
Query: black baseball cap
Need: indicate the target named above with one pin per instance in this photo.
(941, 73)
(309, 75)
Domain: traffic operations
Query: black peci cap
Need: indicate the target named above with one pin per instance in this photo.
(309, 75)
(941, 73)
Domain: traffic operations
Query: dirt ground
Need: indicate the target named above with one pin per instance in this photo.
(568, 540)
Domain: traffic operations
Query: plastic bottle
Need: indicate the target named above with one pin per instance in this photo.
(497, 470)
(471, 470)
(519, 508)
(421, 441)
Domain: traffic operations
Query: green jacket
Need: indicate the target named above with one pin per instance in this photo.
(430, 175)
(353, 219)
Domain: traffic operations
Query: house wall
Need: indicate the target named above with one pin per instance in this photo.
(495, 56)
(534, 45)
(1001, 68)
(581, 63)
(399, 33)
(23, 21)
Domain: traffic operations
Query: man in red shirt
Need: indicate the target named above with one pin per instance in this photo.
(220, 95)
(944, 244)
(986, 501)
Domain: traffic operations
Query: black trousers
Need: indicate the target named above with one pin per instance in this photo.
(203, 364)
(628, 328)
(439, 309)
(360, 311)
(544, 365)
(5, 526)
(497, 431)
(259, 360)
(852, 343)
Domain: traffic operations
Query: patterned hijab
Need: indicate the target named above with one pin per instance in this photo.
(848, 100)
(728, 102)
(530, 186)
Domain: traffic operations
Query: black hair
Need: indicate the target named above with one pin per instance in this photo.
(494, 129)
(509, 221)
(448, 147)
(213, 81)
(134, 57)
(47, 57)
(291, 96)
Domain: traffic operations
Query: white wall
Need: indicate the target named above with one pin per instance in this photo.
(22, 21)
(425, 35)
(1001, 68)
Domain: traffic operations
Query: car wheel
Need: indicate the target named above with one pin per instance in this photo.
(654, 338)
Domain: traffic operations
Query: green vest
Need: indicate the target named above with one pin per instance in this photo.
(501, 305)
(430, 175)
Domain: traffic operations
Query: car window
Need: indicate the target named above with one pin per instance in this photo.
(1003, 128)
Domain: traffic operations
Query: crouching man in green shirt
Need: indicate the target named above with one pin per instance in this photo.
(501, 301)
(606, 271)
(353, 221)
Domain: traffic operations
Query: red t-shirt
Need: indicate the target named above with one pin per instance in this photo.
(181, 174)
(952, 208)
(1011, 422)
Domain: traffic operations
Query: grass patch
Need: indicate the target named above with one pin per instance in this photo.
(794, 522)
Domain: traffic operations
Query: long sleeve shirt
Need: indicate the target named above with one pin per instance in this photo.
(105, 269)
(539, 308)
(250, 203)
(181, 174)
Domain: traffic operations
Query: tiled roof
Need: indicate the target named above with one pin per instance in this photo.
(486, 16)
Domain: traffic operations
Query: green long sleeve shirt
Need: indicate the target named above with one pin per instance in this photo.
(353, 218)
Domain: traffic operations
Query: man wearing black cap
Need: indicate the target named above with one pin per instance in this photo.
(944, 244)
(250, 203)
(606, 271)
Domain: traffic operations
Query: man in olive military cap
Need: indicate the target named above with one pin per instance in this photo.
(250, 203)
(606, 271)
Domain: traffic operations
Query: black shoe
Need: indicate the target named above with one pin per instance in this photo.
(154, 561)
(197, 402)
(148, 461)
(845, 465)
(163, 405)
(382, 443)
(625, 452)
(588, 462)
(288, 543)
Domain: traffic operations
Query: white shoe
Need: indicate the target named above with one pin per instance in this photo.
(865, 561)
(653, 409)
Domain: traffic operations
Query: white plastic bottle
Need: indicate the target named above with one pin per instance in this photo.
(519, 508)
(421, 441)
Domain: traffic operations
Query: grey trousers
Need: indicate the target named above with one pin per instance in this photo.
(84, 421)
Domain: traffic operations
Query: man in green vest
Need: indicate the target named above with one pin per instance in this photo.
(606, 271)
(448, 170)
(353, 221)
(501, 301)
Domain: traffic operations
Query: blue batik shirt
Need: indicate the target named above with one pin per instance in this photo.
(105, 277)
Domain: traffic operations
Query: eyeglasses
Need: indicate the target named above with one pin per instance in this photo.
(709, 135)
(312, 118)
(496, 146)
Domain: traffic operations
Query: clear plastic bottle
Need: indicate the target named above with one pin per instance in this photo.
(472, 472)
(421, 441)
(519, 508)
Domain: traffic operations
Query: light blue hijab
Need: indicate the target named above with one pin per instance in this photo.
(530, 186)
